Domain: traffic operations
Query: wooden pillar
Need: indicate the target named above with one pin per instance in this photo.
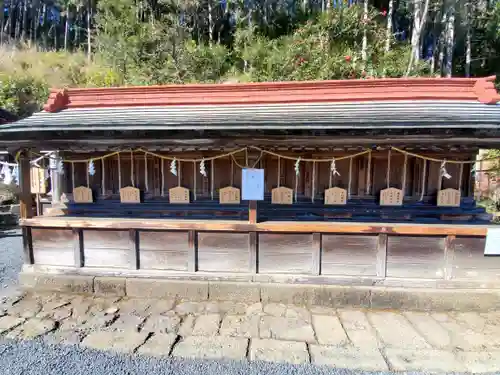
(134, 249)
(316, 254)
(192, 251)
(253, 247)
(25, 197)
(252, 212)
(449, 254)
(29, 257)
(382, 255)
(78, 252)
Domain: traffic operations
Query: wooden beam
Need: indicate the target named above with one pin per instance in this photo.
(192, 251)
(97, 143)
(268, 226)
(382, 255)
(25, 197)
(253, 248)
(134, 249)
(78, 249)
(29, 257)
(449, 255)
(316, 254)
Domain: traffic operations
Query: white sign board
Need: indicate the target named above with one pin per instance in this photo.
(252, 184)
(492, 242)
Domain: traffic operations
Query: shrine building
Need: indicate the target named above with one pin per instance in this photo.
(257, 187)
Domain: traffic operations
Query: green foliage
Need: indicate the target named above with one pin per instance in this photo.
(22, 95)
(328, 47)
(174, 41)
(494, 166)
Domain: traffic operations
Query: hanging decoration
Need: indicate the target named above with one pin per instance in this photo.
(203, 170)
(443, 171)
(60, 166)
(390, 196)
(212, 179)
(336, 195)
(297, 173)
(333, 168)
(7, 175)
(15, 175)
(173, 167)
(91, 168)
(424, 178)
(297, 167)
(369, 174)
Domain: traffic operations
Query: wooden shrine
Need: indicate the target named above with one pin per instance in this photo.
(364, 181)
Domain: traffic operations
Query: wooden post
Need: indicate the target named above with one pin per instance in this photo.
(78, 248)
(192, 251)
(55, 180)
(252, 212)
(29, 257)
(134, 249)
(253, 248)
(25, 197)
(449, 254)
(316, 254)
(382, 255)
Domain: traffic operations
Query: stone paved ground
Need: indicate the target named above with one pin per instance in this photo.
(344, 338)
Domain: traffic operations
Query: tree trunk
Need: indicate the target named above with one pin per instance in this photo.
(66, 29)
(388, 35)
(2, 20)
(415, 35)
(89, 18)
(24, 26)
(450, 39)
(415, 41)
(78, 18)
(37, 15)
(468, 17)
(44, 27)
(19, 21)
(364, 47)
(305, 5)
(11, 18)
(210, 25)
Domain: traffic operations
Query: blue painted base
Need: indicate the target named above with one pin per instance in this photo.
(357, 209)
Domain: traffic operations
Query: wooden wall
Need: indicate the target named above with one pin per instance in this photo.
(190, 176)
(377, 256)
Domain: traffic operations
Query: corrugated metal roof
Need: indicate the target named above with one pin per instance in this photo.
(359, 115)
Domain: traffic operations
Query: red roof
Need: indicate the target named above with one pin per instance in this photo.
(395, 89)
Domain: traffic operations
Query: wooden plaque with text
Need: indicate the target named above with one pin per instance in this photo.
(448, 198)
(178, 195)
(37, 181)
(336, 196)
(130, 194)
(282, 195)
(82, 194)
(229, 195)
(391, 197)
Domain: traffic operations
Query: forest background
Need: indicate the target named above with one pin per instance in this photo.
(95, 43)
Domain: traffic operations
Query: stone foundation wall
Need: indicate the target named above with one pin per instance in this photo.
(420, 299)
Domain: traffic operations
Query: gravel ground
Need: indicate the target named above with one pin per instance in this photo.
(37, 357)
(11, 259)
